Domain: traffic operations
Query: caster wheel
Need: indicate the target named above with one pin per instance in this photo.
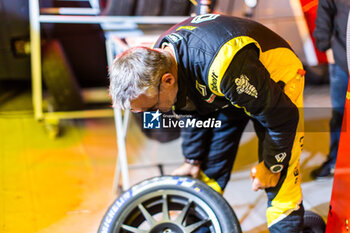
(52, 128)
(313, 223)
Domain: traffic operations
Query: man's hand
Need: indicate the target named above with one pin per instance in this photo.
(187, 169)
(263, 178)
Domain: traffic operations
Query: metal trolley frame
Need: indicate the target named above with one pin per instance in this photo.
(84, 16)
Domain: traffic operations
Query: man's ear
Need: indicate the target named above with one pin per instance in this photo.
(168, 79)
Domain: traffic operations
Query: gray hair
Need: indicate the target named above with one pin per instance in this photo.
(137, 71)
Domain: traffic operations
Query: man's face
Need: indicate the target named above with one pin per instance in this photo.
(163, 98)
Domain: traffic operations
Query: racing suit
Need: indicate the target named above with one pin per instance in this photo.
(236, 70)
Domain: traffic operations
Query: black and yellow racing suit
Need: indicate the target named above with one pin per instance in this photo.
(237, 70)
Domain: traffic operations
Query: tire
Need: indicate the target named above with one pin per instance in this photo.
(316, 75)
(119, 7)
(170, 204)
(176, 7)
(313, 223)
(59, 78)
(148, 7)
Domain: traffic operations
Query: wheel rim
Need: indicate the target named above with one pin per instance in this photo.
(167, 211)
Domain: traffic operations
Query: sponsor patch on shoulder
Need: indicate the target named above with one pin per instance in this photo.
(243, 86)
(174, 37)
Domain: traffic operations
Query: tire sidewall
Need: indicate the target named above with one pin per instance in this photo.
(313, 222)
(228, 220)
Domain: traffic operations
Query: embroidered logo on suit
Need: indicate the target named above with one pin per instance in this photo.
(243, 86)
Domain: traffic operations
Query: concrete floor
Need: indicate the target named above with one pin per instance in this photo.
(64, 185)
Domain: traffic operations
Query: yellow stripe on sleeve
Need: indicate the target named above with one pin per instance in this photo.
(223, 59)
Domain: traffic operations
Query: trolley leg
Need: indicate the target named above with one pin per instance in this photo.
(122, 157)
(35, 54)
